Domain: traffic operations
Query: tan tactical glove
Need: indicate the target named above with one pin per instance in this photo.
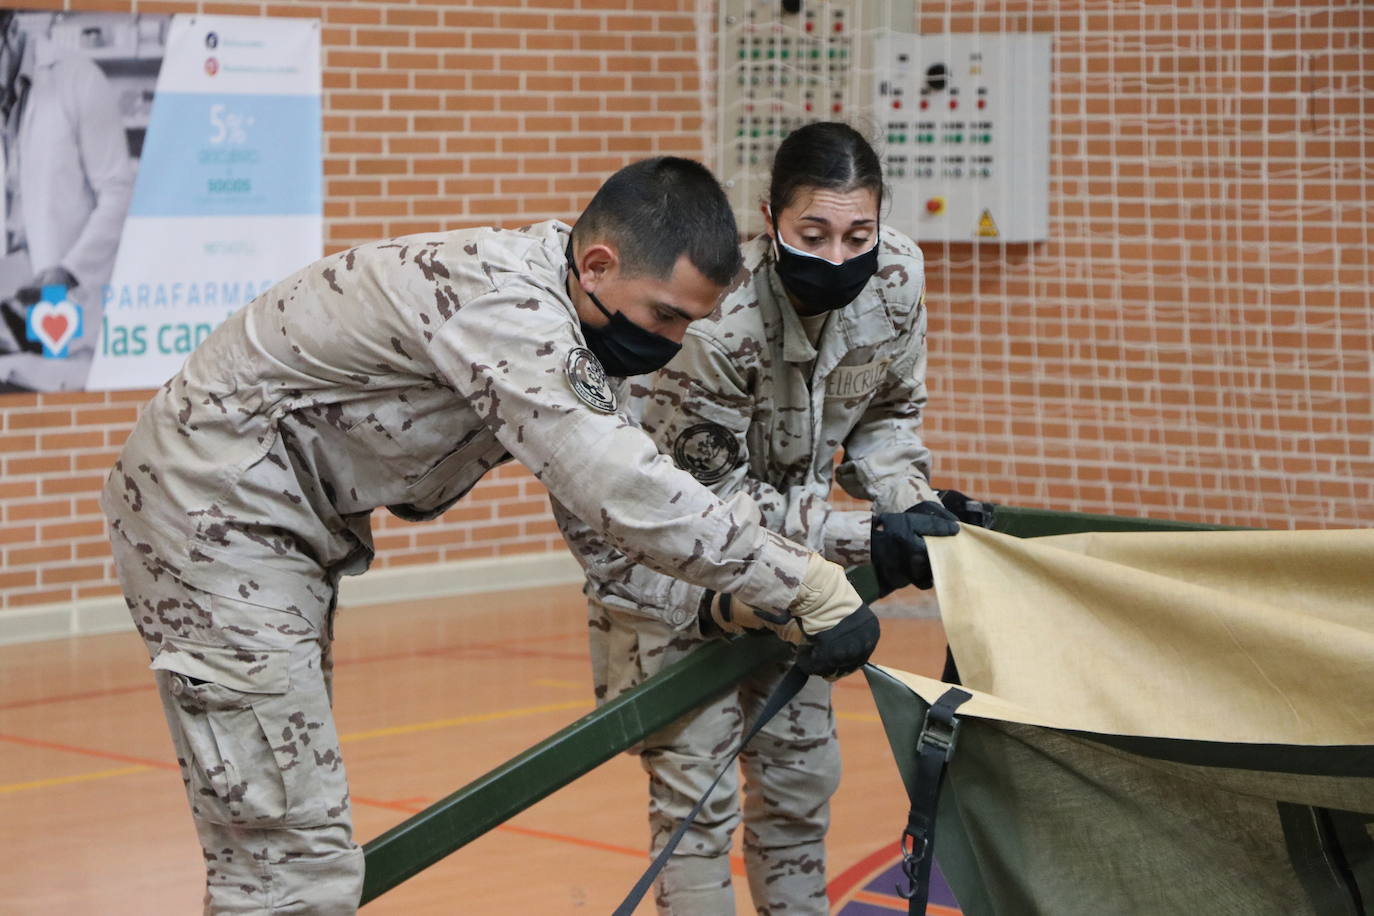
(734, 617)
(827, 616)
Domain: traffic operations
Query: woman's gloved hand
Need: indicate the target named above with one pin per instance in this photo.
(898, 547)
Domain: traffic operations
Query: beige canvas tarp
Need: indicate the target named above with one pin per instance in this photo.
(1161, 723)
(1239, 636)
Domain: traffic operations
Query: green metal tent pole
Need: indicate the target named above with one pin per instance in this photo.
(418, 842)
(1034, 523)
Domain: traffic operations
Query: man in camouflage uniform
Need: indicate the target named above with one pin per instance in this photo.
(396, 374)
(753, 405)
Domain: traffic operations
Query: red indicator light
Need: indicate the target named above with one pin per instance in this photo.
(953, 104)
(982, 103)
(896, 103)
(925, 103)
(836, 107)
(935, 205)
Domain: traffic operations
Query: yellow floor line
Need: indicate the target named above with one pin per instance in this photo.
(857, 717)
(465, 720)
(64, 780)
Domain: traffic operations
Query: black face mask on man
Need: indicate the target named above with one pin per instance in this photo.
(623, 347)
(820, 285)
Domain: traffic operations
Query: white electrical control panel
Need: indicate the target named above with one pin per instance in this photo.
(964, 123)
(961, 121)
(785, 63)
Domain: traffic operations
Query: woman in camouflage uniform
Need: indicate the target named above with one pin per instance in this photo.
(819, 346)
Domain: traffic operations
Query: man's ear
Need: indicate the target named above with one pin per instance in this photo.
(596, 261)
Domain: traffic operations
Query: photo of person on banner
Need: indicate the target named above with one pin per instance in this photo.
(68, 180)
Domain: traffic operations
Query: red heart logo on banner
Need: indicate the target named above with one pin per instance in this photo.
(54, 326)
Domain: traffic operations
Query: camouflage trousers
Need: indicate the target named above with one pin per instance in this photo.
(790, 770)
(246, 691)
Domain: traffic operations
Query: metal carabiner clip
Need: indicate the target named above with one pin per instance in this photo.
(911, 863)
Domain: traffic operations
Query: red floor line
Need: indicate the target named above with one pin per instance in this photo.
(407, 805)
(87, 752)
(861, 872)
(442, 652)
(71, 697)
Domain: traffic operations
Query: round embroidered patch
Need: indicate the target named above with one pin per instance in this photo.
(707, 451)
(588, 380)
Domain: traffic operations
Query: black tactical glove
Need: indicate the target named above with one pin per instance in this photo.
(897, 549)
(969, 511)
(843, 648)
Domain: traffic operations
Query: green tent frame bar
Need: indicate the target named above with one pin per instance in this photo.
(446, 826)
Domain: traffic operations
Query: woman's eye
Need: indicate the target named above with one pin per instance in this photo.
(664, 315)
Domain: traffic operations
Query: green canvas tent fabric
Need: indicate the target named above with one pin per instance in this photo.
(1159, 723)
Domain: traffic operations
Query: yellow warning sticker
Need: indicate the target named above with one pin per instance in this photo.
(986, 227)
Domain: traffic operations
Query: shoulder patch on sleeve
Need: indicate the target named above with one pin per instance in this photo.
(588, 380)
(707, 451)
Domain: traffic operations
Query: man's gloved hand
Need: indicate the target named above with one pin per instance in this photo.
(898, 548)
(723, 614)
(969, 511)
(840, 628)
(844, 648)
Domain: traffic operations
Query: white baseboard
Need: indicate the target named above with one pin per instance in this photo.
(380, 586)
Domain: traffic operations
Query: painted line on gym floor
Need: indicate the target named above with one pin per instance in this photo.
(446, 652)
(87, 752)
(67, 780)
(410, 806)
(143, 762)
(437, 724)
(70, 697)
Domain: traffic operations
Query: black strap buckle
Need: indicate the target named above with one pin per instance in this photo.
(939, 734)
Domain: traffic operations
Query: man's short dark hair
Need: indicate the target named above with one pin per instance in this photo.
(657, 210)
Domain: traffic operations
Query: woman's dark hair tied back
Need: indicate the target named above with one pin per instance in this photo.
(826, 154)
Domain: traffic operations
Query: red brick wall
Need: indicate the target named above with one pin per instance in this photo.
(1195, 340)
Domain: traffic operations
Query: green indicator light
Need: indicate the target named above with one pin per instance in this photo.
(987, 138)
(891, 138)
(756, 54)
(958, 138)
(831, 53)
(743, 53)
(901, 138)
(785, 53)
(771, 52)
(755, 132)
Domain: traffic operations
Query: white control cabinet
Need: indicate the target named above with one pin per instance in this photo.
(964, 127)
(784, 64)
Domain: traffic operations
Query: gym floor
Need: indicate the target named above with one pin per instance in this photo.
(428, 696)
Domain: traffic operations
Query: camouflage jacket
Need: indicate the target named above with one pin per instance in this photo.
(751, 406)
(397, 374)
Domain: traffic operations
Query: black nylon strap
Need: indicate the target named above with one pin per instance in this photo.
(934, 748)
(780, 697)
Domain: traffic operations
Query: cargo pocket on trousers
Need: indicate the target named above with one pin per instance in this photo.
(245, 759)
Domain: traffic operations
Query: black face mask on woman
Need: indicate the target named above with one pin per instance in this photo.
(821, 285)
(623, 347)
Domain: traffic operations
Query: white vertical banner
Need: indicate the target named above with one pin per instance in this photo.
(228, 195)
